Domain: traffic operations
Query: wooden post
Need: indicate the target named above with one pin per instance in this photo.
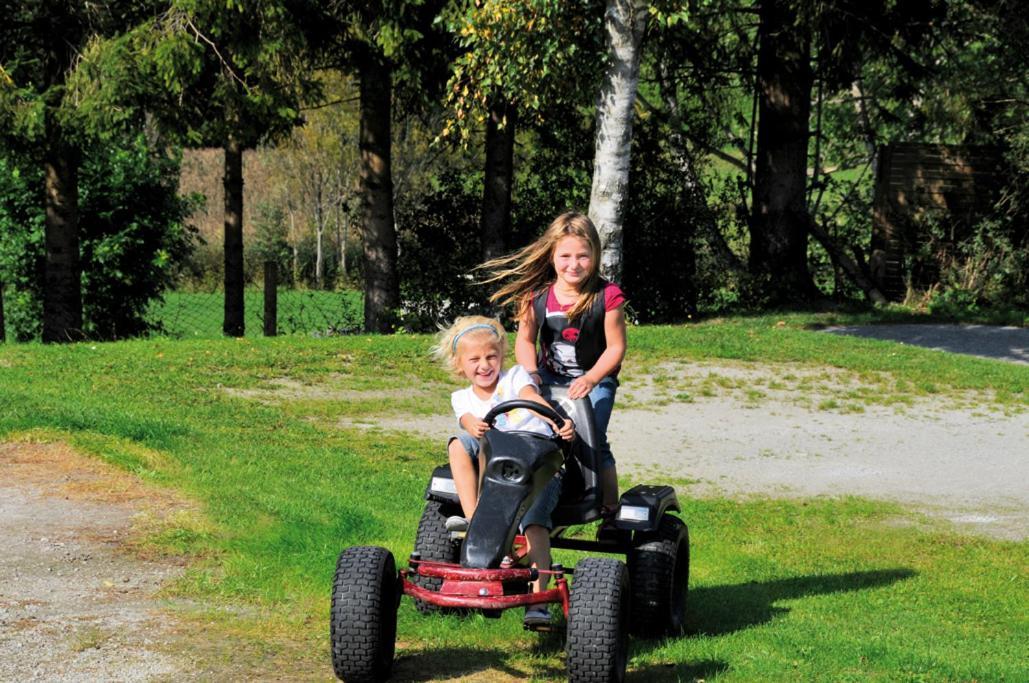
(3, 334)
(271, 301)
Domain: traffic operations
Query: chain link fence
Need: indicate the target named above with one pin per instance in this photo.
(198, 314)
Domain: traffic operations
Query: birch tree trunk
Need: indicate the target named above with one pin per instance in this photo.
(295, 250)
(625, 22)
(319, 223)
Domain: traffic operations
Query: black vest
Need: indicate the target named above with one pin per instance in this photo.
(591, 341)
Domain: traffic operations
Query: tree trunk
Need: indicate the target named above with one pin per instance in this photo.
(495, 224)
(233, 325)
(62, 293)
(319, 223)
(339, 238)
(625, 22)
(294, 248)
(381, 288)
(778, 221)
(343, 246)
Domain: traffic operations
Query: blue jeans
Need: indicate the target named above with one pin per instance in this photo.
(602, 397)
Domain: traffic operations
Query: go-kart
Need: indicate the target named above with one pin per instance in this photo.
(486, 568)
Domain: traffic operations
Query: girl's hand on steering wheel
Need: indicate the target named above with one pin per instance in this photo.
(478, 428)
(567, 431)
(580, 386)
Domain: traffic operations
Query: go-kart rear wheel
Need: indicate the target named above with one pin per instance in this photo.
(363, 620)
(434, 543)
(659, 571)
(598, 637)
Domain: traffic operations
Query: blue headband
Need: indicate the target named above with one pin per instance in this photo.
(476, 326)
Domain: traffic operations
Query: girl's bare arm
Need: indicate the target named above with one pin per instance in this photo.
(525, 341)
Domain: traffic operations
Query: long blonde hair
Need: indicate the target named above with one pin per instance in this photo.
(529, 270)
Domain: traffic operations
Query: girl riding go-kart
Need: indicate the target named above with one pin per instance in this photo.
(487, 568)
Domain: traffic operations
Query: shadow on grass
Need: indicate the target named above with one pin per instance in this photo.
(461, 662)
(720, 610)
(692, 671)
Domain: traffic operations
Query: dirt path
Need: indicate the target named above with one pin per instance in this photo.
(74, 605)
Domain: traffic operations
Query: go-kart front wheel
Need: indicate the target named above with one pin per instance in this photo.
(433, 542)
(598, 637)
(363, 621)
(659, 571)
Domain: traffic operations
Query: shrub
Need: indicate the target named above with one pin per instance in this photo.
(131, 230)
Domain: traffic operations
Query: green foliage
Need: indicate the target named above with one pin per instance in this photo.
(660, 232)
(987, 268)
(524, 52)
(21, 243)
(132, 234)
(206, 70)
(439, 248)
(269, 243)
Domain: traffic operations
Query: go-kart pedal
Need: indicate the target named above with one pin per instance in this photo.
(536, 617)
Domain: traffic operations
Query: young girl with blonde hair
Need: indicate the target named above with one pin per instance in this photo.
(473, 348)
(577, 317)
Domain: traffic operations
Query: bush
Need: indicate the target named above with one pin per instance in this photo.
(131, 231)
(439, 247)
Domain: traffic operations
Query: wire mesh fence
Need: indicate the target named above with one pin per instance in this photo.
(200, 314)
(300, 311)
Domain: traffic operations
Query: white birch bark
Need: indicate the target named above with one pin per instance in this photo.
(625, 22)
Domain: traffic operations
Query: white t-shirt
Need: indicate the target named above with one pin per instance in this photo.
(511, 382)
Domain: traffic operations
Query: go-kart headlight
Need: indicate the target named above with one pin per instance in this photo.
(443, 485)
(633, 513)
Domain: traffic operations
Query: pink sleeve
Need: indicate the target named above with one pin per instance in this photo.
(613, 296)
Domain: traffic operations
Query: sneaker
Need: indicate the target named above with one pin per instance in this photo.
(456, 523)
(537, 616)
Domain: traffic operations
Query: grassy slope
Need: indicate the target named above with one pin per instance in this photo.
(787, 590)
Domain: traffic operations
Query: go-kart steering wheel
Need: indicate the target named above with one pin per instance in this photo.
(507, 406)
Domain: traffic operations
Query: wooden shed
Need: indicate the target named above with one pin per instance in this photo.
(960, 182)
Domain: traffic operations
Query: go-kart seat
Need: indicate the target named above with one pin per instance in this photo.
(581, 494)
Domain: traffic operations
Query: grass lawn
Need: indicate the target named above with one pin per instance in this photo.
(820, 589)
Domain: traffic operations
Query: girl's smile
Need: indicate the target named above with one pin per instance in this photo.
(480, 364)
(573, 261)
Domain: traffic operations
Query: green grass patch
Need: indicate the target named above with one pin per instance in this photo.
(780, 590)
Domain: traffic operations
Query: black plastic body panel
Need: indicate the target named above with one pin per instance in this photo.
(657, 499)
(581, 494)
(518, 466)
(441, 472)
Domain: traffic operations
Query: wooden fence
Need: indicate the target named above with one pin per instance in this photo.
(958, 183)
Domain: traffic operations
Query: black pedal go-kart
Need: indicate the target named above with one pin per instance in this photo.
(486, 569)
